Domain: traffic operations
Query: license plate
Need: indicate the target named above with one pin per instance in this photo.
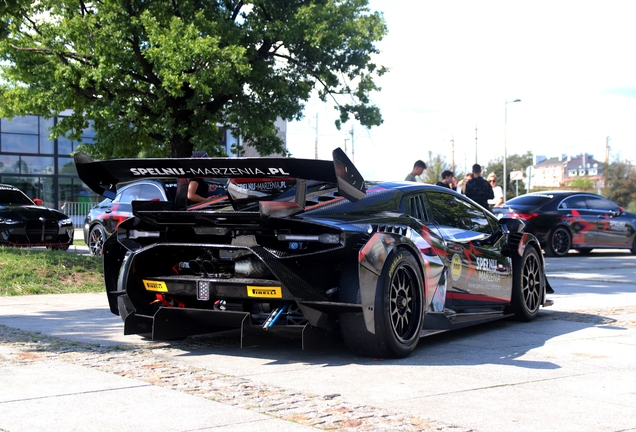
(265, 291)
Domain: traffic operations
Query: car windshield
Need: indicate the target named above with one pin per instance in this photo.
(530, 200)
(13, 197)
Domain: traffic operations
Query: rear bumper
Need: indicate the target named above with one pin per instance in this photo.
(176, 323)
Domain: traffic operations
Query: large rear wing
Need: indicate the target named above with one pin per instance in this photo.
(103, 176)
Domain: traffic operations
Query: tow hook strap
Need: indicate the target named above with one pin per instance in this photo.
(168, 301)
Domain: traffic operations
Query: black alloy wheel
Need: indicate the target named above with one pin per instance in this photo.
(527, 293)
(404, 306)
(96, 240)
(398, 312)
(559, 242)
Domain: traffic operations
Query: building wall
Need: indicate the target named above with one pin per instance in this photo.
(561, 171)
(547, 175)
(41, 167)
(281, 125)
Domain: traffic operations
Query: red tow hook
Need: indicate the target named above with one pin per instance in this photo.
(168, 301)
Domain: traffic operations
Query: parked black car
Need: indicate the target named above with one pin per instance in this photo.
(103, 219)
(301, 249)
(564, 220)
(25, 223)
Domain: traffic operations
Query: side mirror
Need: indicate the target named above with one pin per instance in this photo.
(511, 225)
(38, 201)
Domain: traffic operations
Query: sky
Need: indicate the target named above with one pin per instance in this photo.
(454, 65)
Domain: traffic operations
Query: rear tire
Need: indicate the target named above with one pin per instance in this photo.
(526, 286)
(633, 249)
(559, 242)
(398, 310)
(96, 240)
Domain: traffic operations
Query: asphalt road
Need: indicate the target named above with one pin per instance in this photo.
(571, 369)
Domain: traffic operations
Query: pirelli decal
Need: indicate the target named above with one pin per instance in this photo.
(265, 291)
(157, 286)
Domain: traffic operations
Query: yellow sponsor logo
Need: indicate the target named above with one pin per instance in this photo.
(157, 286)
(456, 267)
(394, 263)
(265, 291)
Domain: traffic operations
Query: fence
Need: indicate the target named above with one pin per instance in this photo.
(77, 211)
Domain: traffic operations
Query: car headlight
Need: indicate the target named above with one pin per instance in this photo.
(63, 222)
(8, 221)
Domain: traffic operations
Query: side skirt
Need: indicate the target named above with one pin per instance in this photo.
(434, 322)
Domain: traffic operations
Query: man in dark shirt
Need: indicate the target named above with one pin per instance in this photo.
(447, 179)
(478, 189)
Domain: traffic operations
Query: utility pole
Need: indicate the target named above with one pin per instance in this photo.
(476, 144)
(452, 153)
(607, 149)
(353, 155)
(316, 155)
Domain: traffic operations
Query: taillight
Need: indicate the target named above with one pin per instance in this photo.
(522, 216)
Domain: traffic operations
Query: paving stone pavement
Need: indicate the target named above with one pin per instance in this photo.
(325, 412)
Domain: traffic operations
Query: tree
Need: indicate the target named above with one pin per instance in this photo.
(514, 163)
(620, 183)
(582, 183)
(434, 167)
(160, 77)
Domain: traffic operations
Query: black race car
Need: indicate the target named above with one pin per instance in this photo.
(564, 220)
(25, 223)
(303, 249)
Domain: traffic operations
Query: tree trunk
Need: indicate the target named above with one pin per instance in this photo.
(180, 147)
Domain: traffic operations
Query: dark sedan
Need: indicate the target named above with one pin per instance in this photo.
(105, 217)
(564, 220)
(25, 223)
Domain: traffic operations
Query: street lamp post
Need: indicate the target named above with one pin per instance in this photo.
(505, 178)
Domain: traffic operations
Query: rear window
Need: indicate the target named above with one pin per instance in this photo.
(530, 200)
(10, 196)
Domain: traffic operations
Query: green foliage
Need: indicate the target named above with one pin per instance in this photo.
(160, 77)
(434, 167)
(514, 163)
(39, 271)
(582, 183)
(620, 183)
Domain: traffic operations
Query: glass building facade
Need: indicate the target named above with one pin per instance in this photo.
(41, 167)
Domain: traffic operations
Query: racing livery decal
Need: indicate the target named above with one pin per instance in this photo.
(456, 267)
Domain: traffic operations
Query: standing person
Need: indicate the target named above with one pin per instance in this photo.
(418, 169)
(198, 188)
(447, 179)
(461, 186)
(498, 200)
(478, 189)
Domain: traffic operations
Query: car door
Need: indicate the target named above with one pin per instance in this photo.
(120, 209)
(479, 275)
(574, 212)
(612, 230)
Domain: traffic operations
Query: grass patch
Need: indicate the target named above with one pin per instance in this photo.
(40, 271)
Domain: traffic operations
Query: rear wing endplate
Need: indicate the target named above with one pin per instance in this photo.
(102, 177)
